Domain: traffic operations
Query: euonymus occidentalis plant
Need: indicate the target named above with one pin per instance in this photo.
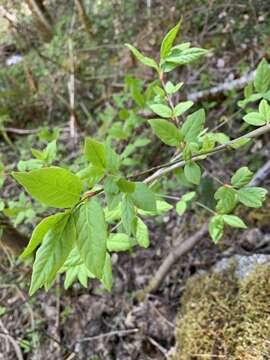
(101, 210)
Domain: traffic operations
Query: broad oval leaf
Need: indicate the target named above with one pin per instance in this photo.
(52, 186)
(182, 107)
(95, 153)
(234, 221)
(161, 110)
(252, 196)
(193, 173)
(242, 177)
(193, 125)
(166, 131)
(254, 118)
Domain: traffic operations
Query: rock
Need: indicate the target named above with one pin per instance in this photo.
(225, 313)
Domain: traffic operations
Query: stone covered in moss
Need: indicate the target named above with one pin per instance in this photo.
(224, 317)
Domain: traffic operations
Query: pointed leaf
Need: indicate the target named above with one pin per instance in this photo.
(143, 59)
(52, 186)
(166, 131)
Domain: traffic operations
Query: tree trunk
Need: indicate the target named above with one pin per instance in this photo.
(42, 18)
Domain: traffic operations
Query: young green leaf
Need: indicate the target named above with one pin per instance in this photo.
(193, 125)
(242, 177)
(95, 153)
(142, 234)
(168, 40)
(234, 221)
(128, 214)
(216, 227)
(254, 118)
(53, 252)
(193, 173)
(161, 110)
(181, 207)
(40, 231)
(262, 77)
(144, 198)
(227, 199)
(91, 235)
(171, 89)
(118, 242)
(143, 59)
(264, 110)
(52, 186)
(166, 131)
(252, 196)
(189, 196)
(182, 107)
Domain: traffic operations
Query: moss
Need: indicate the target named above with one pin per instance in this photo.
(224, 318)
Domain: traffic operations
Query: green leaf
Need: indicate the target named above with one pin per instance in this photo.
(189, 196)
(126, 186)
(52, 186)
(252, 196)
(128, 214)
(161, 110)
(234, 221)
(142, 234)
(239, 143)
(182, 57)
(162, 208)
(193, 125)
(171, 89)
(95, 153)
(107, 273)
(264, 110)
(242, 177)
(53, 252)
(118, 242)
(168, 40)
(227, 199)
(166, 131)
(40, 231)
(216, 227)
(143, 59)
(181, 207)
(254, 118)
(182, 107)
(262, 77)
(144, 198)
(91, 235)
(193, 173)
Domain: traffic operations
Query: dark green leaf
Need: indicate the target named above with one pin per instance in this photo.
(144, 198)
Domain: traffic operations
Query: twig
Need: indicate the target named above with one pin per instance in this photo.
(71, 90)
(108, 334)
